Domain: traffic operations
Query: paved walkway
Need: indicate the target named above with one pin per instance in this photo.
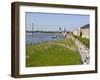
(84, 51)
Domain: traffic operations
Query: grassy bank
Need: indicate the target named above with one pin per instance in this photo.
(85, 41)
(52, 53)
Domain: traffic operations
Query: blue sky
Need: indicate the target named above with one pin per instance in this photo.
(52, 22)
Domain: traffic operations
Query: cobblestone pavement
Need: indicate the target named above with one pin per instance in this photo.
(83, 50)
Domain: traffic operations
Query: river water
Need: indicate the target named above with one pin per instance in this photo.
(38, 37)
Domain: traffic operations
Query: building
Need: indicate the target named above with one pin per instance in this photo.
(76, 32)
(85, 31)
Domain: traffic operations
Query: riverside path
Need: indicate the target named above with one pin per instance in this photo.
(83, 50)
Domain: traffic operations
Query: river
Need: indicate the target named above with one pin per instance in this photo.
(38, 37)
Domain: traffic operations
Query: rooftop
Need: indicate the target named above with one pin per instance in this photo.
(87, 26)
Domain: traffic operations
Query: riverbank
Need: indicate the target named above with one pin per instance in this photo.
(52, 53)
(85, 41)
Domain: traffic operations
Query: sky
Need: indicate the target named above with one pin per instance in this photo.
(52, 21)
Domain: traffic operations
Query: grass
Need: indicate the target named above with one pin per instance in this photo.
(85, 41)
(52, 53)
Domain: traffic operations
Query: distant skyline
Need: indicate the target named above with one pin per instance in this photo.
(52, 22)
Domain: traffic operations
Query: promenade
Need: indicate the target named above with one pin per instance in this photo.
(83, 50)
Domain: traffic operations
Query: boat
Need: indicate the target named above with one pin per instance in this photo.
(54, 37)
